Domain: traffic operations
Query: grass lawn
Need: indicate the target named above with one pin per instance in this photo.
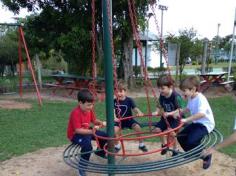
(24, 131)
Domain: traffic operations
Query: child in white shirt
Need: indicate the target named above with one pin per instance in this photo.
(200, 122)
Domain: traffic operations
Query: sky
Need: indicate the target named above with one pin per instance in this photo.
(203, 15)
(7, 17)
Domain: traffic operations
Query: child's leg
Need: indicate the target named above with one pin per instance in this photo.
(162, 138)
(85, 143)
(102, 142)
(117, 134)
(173, 124)
(160, 127)
(195, 134)
(136, 127)
(175, 145)
(183, 136)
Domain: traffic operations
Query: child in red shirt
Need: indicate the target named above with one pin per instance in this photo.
(79, 130)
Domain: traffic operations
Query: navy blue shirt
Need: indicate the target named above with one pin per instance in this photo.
(123, 108)
(171, 103)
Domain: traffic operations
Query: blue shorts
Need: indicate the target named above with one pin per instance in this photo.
(163, 126)
(129, 123)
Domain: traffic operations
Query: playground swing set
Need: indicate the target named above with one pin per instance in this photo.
(22, 43)
(72, 153)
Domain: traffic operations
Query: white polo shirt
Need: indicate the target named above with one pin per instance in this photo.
(199, 104)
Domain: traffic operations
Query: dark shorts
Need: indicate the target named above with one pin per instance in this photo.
(129, 123)
(163, 126)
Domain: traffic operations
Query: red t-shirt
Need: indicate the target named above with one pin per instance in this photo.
(79, 119)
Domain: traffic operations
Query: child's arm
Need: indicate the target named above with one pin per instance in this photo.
(158, 111)
(177, 112)
(228, 141)
(83, 131)
(115, 117)
(193, 117)
(137, 111)
(174, 113)
(181, 108)
(100, 123)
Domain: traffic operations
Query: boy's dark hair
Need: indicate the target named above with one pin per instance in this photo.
(190, 82)
(165, 80)
(85, 95)
(122, 85)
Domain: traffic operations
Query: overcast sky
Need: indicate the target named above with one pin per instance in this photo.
(6, 16)
(203, 15)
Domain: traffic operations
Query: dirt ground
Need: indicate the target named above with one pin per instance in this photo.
(49, 162)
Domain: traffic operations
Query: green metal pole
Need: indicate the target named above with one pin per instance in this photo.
(161, 39)
(108, 76)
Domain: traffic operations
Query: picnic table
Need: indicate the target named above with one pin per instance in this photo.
(214, 79)
(72, 83)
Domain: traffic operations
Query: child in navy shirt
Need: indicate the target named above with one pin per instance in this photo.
(123, 108)
(170, 103)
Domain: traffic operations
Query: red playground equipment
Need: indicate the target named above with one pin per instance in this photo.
(22, 43)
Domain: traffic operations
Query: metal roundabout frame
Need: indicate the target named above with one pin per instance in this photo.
(72, 157)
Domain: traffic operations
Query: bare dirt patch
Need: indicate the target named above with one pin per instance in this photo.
(11, 104)
(49, 162)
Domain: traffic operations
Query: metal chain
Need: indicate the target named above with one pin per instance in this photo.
(93, 84)
(163, 49)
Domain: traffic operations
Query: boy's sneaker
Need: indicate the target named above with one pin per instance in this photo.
(175, 152)
(101, 154)
(81, 173)
(164, 149)
(117, 149)
(207, 162)
(143, 148)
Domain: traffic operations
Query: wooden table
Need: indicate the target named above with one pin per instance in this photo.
(72, 82)
(213, 78)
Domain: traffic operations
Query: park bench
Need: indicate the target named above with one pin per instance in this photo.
(227, 82)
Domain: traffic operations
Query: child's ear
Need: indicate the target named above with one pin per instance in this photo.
(194, 89)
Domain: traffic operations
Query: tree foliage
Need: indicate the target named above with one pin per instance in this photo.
(190, 46)
(66, 26)
(8, 50)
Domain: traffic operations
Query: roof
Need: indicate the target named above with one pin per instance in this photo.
(148, 36)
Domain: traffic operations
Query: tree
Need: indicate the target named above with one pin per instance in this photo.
(196, 50)
(190, 46)
(226, 43)
(8, 51)
(66, 26)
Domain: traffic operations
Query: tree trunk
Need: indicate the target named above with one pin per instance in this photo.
(12, 67)
(127, 61)
(2, 69)
(39, 68)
